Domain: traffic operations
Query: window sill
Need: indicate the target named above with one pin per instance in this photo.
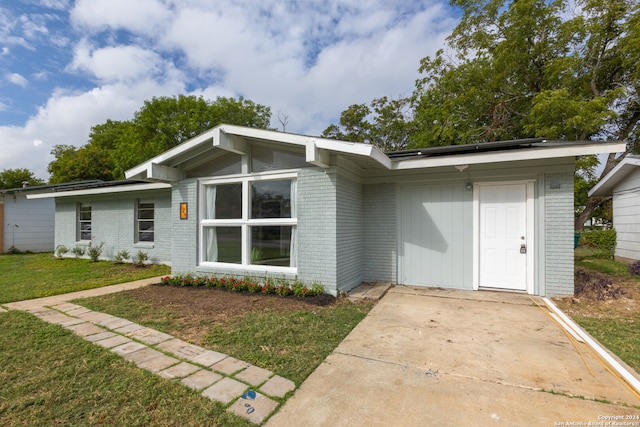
(256, 269)
(145, 245)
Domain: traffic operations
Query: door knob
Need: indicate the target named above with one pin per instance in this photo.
(523, 248)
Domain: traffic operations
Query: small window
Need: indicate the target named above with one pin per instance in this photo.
(145, 227)
(84, 222)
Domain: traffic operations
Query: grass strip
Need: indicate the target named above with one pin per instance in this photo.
(620, 335)
(28, 276)
(50, 376)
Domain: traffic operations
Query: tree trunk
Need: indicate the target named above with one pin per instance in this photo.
(592, 204)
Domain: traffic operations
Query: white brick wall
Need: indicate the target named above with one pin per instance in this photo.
(380, 233)
(317, 206)
(113, 223)
(559, 234)
(349, 234)
(184, 248)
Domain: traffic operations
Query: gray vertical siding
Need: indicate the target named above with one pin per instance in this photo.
(380, 233)
(34, 220)
(626, 216)
(437, 235)
(317, 205)
(349, 233)
(113, 223)
(558, 235)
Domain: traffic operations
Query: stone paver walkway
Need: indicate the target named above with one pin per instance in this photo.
(247, 390)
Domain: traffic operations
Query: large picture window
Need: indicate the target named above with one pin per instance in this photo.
(84, 222)
(249, 222)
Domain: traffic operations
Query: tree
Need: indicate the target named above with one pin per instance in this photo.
(79, 164)
(161, 124)
(389, 129)
(522, 69)
(557, 69)
(15, 178)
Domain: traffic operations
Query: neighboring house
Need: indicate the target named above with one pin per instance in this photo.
(27, 225)
(244, 201)
(623, 183)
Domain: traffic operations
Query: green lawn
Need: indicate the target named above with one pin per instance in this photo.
(290, 343)
(49, 376)
(28, 276)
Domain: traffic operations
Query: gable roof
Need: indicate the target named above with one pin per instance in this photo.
(227, 138)
(615, 176)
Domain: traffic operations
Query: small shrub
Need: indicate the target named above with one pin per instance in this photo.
(141, 258)
(78, 251)
(94, 251)
(635, 268)
(247, 284)
(283, 290)
(594, 286)
(316, 289)
(122, 256)
(14, 251)
(61, 251)
(254, 288)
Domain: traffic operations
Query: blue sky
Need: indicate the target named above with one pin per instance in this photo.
(68, 65)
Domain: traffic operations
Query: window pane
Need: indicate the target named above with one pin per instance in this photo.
(266, 159)
(223, 201)
(85, 213)
(85, 231)
(145, 211)
(271, 199)
(271, 245)
(223, 244)
(145, 233)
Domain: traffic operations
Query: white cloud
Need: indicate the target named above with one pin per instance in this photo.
(17, 79)
(139, 16)
(117, 63)
(307, 60)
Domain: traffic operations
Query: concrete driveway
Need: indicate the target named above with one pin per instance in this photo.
(425, 356)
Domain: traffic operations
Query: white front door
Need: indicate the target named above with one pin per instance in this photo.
(503, 243)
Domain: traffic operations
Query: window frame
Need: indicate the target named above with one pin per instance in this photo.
(245, 222)
(81, 221)
(137, 241)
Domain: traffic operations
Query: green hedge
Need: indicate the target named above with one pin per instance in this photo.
(602, 240)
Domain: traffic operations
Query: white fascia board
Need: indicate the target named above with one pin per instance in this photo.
(102, 190)
(606, 185)
(358, 148)
(535, 153)
(139, 171)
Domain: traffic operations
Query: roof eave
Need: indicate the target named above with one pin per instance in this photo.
(605, 186)
(533, 153)
(102, 190)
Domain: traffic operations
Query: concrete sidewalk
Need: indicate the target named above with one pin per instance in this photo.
(425, 356)
(246, 390)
